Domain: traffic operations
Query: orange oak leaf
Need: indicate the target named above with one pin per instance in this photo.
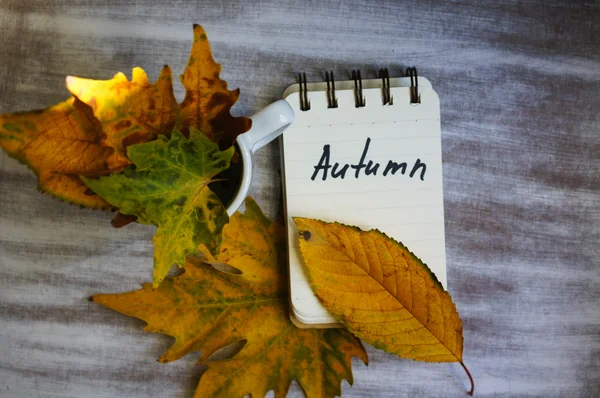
(207, 309)
(130, 112)
(381, 292)
(208, 102)
(59, 144)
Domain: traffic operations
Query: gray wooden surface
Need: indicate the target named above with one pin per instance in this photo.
(519, 84)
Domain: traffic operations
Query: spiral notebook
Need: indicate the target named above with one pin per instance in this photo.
(364, 153)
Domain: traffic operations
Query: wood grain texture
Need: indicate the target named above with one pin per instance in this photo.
(519, 83)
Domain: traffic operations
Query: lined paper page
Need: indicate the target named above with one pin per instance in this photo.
(407, 208)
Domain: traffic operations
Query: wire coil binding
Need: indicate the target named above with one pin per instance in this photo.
(331, 99)
(359, 100)
(304, 102)
(385, 89)
(414, 85)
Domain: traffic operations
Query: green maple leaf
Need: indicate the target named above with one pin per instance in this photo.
(167, 186)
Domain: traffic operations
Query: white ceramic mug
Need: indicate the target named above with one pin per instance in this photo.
(267, 125)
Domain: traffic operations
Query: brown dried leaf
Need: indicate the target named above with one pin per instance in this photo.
(208, 102)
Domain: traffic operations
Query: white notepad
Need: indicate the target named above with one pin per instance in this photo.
(406, 206)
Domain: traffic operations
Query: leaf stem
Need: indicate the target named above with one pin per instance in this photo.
(470, 392)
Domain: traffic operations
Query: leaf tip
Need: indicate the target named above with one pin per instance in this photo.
(139, 76)
(251, 201)
(199, 33)
(97, 298)
(301, 225)
(121, 220)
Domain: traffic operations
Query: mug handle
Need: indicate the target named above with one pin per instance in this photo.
(267, 125)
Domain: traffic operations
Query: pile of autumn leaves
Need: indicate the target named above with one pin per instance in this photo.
(129, 145)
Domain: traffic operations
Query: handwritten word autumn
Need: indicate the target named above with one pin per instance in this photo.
(368, 168)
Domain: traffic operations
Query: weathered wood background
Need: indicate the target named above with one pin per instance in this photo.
(519, 83)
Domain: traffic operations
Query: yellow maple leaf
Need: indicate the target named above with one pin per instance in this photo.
(206, 309)
(381, 291)
(59, 144)
(130, 112)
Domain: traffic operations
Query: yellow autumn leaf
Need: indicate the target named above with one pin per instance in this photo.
(206, 309)
(381, 291)
(130, 112)
(59, 144)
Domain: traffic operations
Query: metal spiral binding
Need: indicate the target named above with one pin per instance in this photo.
(304, 102)
(359, 99)
(414, 85)
(358, 95)
(331, 100)
(385, 80)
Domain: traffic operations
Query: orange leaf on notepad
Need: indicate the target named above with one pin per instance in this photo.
(240, 297)
(381, 291)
